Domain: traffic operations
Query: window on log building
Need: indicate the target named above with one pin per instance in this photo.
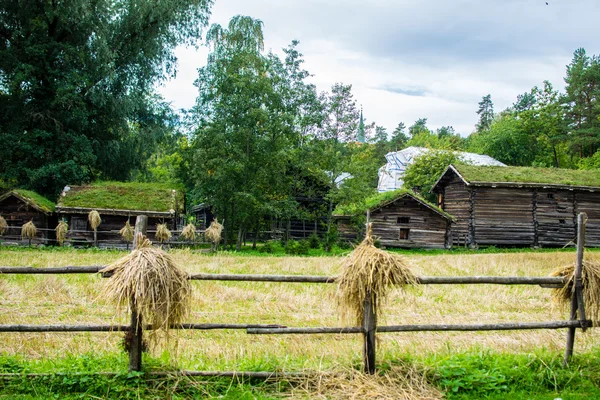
(403, 220)
(404, 234)
(550, 195)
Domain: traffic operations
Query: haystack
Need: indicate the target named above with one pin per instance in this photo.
(213, 233)
(28, 231)
(126, 232)
(189, 232)
(3, 225)
(590, 277)
(61, 232)
(149, 280)
(163, 234)
(369, 270)
(94, 219)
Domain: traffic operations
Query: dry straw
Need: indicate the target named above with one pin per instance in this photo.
(94, 219)
(126, 232)
(213, 233)
(163, 233)
(28, 231)
(189, 232)
(3, 225)
(369, 270)
(149, 280)
(61, 232)
(590, 277)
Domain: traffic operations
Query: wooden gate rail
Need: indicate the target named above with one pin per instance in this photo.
(369, 327)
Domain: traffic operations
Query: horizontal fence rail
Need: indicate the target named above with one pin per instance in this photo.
(368, 328)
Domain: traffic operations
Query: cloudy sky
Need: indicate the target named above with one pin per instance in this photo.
(415, 59)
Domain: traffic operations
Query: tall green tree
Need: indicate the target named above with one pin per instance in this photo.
(486, 113)
(399, 138)
(76, 84)
(582, 101)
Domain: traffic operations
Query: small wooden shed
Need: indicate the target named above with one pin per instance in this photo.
(118, 202)
(519, 206)
(403, 219)
(20, 206)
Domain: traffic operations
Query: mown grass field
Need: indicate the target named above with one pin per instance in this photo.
(72, 299)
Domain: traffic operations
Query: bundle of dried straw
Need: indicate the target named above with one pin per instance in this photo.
(369, 270)
(126, 232)
(94, 219)
(61, 232)
(163, 233)
(28, 231)
(149, 280)
(590, 277)
(189, 232)
(213, 233)
(3, 225)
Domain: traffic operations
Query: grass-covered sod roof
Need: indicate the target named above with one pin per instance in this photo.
(36, 200)
(528, 175)
(381, 200)
(125, 196)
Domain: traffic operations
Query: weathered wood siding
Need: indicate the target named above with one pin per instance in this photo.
(16, 213)
(589, 203)
(346, 229)
(426, 228)
(555, 217)
(503, 216)
(108, 231)
(457, 203)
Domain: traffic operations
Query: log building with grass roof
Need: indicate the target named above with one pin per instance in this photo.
(117, 203)
(400, 219)
(519, 206)
(20, 206)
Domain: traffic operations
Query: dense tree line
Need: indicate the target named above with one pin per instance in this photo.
(77, 103)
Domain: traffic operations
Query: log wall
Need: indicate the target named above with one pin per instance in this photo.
(456, 202)
(426, 228)
(17, 212)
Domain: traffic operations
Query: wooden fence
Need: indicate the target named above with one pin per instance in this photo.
(369, 329)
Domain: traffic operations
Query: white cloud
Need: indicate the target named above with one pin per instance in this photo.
(414, 59)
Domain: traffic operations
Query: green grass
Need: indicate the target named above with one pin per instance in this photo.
(556, 176)
(475, 374)
(124, 196)
(36, 199)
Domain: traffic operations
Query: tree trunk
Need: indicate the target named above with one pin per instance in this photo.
(238, 243)
(329, 218)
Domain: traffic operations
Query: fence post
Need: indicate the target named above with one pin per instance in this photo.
(369, 328)
(136, 332)
(577, 304)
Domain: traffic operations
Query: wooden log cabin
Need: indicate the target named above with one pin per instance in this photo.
(402, 219)
(118, 202)
(20, 206)
(519, 206)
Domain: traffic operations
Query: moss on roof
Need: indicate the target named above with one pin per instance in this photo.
(36, 199)
(532, 175)
(382, 199)
(124, 196)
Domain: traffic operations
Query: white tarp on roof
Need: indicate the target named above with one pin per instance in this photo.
(390, 175)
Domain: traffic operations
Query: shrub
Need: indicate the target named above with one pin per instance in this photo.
(270, 247)
(314, 241)
(294, 247)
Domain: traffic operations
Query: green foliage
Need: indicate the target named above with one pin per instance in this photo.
(270, 247)
(77, 81)
(314, 242)
(294, 247)
(426, 169)
(126, 196)
(486, 113)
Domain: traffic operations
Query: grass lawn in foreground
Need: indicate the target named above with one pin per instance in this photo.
(457, 364)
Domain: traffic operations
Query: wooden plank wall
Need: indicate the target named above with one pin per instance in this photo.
(555, 217)
(503, 216)
(16, 213)
(457, 203)
(589, 203)
(427, 229)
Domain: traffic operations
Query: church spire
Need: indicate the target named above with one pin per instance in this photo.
(361, 128)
